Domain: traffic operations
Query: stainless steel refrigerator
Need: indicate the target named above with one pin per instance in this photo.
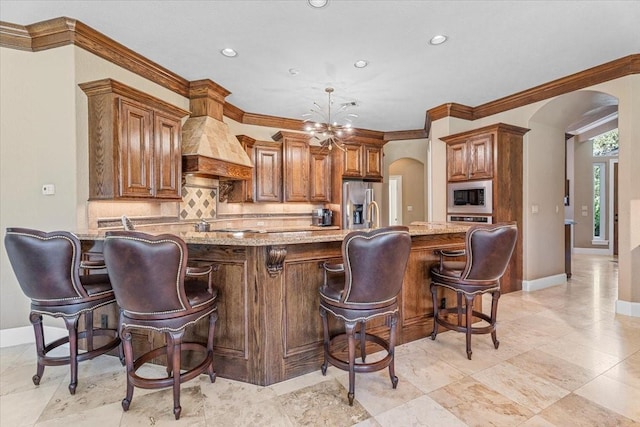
(356, 198)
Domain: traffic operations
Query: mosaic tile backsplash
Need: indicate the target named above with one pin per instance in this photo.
(198, 202)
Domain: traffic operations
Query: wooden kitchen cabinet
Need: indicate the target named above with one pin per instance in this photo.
(362, 161)
(471, 158)
(494, 152)
(268, 172)
(134, 143)
(295, 148)
(319, 175)
(242, 190)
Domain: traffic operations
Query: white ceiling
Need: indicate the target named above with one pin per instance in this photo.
(495, 48)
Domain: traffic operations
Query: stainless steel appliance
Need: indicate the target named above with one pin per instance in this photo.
(321, 217)
(357, 196)
(470, 197)
(479, 219)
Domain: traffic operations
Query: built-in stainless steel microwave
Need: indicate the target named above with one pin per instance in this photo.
(470, 197)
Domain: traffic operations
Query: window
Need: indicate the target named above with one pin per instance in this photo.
(598, 201)
(603, 145)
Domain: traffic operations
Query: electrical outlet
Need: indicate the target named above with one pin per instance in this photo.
(48, 189)
(443, 303)
(104, 321)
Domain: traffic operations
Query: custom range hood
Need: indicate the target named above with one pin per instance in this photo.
(208, 147)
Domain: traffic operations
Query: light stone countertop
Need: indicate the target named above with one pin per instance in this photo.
(276, 237)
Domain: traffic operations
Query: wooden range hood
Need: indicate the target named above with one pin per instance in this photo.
(208, 147)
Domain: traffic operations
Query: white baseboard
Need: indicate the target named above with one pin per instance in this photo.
(24, 335)
(591, 251)
(628, 308)
(544, 282)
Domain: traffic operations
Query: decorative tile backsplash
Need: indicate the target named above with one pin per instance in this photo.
(198, 202)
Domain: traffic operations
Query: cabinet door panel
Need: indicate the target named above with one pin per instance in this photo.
(296, 171)
(373, 162)
(457, 161)
(167, 157)
(320, 175)
(136, 157)
(352, 160)
(268, 174)
(481, 157)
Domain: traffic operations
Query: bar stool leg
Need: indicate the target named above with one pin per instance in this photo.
(325, 342)
(72, 327)
(350, 330)
(36, 321)
(469, 312)
(494, 311)
(213, 317)
(174, 341)
(363, 341)
(125, 336)
(392, 344)
(434, 297)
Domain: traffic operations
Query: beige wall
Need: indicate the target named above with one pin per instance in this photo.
(44, 140)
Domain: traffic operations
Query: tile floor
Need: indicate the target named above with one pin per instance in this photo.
(565, 359)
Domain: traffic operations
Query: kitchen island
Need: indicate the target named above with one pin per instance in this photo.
(269, 327)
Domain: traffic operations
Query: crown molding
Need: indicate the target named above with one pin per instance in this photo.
(64, 31)
(602, 73)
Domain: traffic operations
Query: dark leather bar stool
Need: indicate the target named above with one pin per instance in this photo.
(194, 269)
(47, 266)
(488, 249)
(364, 287)
(148, 277)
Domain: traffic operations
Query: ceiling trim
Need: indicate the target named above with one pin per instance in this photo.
(64, 31)
(602, 73)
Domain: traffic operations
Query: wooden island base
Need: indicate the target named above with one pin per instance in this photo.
(269, 327)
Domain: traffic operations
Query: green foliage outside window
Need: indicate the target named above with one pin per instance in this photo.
(603, 145)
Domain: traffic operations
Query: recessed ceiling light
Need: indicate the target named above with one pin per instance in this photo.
(438, 39)
(228, 52)
(318, 3)
(294, 71)
(361, 63)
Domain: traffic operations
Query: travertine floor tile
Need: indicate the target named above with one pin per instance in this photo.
(422, 411)
(558, 371)
(627, 371)
(322, 404)
(613, 395)
(24, 408)
(521, 386)
(574, 410)
(476, 404)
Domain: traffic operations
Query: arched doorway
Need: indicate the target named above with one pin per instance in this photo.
(548, 170)
(411, 193)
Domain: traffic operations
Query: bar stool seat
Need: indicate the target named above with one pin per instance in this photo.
(47, 266)
(364, 287)
(488, 249)
(148, 277)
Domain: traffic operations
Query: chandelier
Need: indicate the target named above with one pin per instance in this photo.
(330, 130)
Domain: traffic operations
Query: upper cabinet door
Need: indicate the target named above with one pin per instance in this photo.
(481, 156)
(136, 151)
(268, 173)
(168, 162)
(320, 175)
(372, 161)
(457, 166)
(296, 169)
(352, 161)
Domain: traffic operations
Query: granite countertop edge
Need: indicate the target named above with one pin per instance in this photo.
(278, 237)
